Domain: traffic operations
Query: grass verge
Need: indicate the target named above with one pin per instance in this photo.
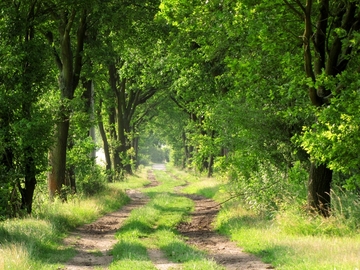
(35, 242)
(288, 249)
(292, 239)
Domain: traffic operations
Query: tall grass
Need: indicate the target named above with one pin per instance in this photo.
(291, 243)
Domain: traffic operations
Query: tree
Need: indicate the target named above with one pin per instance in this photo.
(24, 124)
(68, 56)
(129, 57)
(234, 74)
(331, 30)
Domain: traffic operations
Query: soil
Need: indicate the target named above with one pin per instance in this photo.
(94, 241)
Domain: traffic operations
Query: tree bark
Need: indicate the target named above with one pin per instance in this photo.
(319, 189)
(211, 166)
(88, 95)
(57, 157)
(105, 143)
(135, 145)
(27, 192)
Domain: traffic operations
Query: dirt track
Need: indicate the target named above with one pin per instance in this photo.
(94, 241)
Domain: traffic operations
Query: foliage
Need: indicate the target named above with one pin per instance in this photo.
(336, 130)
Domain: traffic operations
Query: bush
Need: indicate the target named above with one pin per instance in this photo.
(93, 182)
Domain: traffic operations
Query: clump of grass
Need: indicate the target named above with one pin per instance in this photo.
(15, 256)
(167, 183)
(178, 251)
(130, 252)
(137, 180)
(79, 210)
(207, 187)
(34, 241)
(294, 222)
(346, 208)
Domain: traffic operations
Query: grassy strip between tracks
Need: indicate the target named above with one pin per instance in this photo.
(153, 227)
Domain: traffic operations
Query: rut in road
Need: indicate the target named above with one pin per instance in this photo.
(94, 241)
(199, 232)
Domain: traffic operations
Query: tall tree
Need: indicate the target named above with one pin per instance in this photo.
(68, 54)
(331, 30)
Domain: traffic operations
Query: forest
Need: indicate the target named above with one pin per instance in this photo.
(263, 95)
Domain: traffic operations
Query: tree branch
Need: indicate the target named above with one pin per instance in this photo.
(50, 38)
(80, 39)
(300, 5)
(244, 193)
(301, 15)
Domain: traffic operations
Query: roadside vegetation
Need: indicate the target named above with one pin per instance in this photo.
(289, 238)
(35, 242)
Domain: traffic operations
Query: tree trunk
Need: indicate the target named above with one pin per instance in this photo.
(27, 192)
(319, 177)
(210, 166)
(115, 160)
(319, 189)
(105, 143)
(70, 178)
(57, 157)
(186, 151)
(29, 165)
(135, 144)
(88, 95)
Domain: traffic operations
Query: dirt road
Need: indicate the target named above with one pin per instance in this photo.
(94, 241)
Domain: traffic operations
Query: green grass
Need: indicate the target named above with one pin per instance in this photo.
(285, 249)
(35, 242)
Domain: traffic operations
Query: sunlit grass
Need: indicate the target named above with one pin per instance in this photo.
(207, 187)
(130, 253)
(16, 256)
(35, 242)
(176, 250)
(293, 239)
(287, 249)
(289, 241)
(134, 181)
(167, 183)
